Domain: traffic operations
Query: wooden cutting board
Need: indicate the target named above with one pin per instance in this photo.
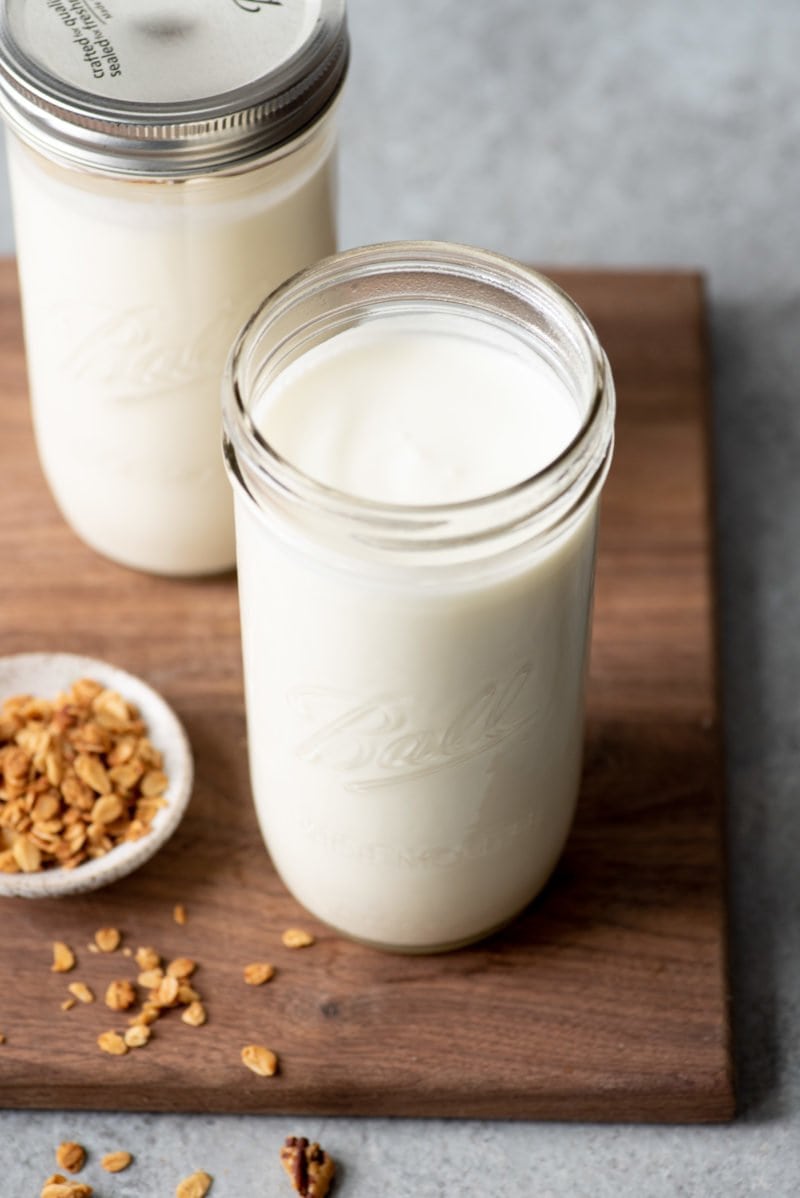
(607, 1000)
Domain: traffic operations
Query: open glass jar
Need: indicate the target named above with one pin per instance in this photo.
(169, 164)
(414, 672)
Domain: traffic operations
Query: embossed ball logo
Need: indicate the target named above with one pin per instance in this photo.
(257, 5)
(376, 742)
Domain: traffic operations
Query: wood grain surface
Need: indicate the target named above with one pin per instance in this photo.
(606, 1000)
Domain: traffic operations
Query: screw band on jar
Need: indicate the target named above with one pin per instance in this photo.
(119, 88)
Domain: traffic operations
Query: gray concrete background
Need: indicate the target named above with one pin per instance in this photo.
(573, 132)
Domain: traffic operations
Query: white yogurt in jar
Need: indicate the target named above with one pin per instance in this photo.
(414, 731)
(131, 296)
(170, 164)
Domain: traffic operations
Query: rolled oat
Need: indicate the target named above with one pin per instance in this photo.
(112, 1043)
(195, 1186)
(107, 939)
(63, 957)
(194, 1015)
(137, 1035)
(181, 967)
(71, 1156)
(81, 992)
(260, 1060)
(115, 1162)
(67, 1189)
(258, 973)
(147, 958)
(297, 938)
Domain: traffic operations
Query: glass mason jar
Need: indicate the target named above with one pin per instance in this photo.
(169, 165)
(414, 673)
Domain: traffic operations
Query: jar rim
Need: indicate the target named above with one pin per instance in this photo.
(576, 473)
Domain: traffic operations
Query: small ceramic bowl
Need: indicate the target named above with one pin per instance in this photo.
(44, 675)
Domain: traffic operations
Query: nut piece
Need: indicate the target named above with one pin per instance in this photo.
(195, 1014)
(179, 914)
(115, 1162)
(2, 1038)
(63, 957)
(71, 1156)
(120, 995)
(260, 1060)
(258, 973)
(309, 1167)
(196, 1186)
(107, 939)
(81, 992)
(297, 938)
(112, 1043)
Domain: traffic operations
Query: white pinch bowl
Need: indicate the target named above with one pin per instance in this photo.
(45, 675)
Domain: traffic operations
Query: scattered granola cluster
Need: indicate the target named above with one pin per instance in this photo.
(78, 775)
(166, 986)
(72, 1158)
(310, 1169)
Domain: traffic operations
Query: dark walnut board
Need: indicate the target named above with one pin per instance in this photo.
(607, 1000)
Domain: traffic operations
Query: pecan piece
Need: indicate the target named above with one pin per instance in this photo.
(310, 1167)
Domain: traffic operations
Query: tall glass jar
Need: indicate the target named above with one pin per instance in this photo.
(170, 163)
(414, 672)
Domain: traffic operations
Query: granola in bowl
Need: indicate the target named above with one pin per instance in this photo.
(95, 774)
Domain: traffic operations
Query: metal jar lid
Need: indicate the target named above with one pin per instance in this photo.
(167, 88)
